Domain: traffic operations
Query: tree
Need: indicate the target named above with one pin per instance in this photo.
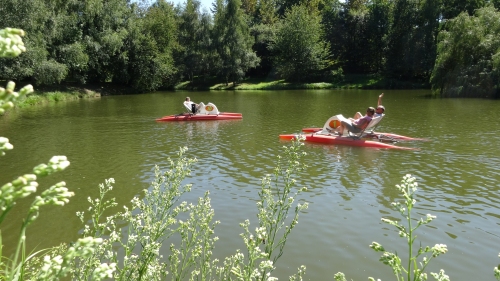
(377, 29)
(249, 7)
(334, 28)
(153, 41)
(426, 38)
(233, 41)
(267, 12)
(356, 19)
(208, 53)
(104, 24)
(400, 39)
(468, 56)
(496, 3)
(160, 22)
(48, 28)
(299, 49)
(263, 35)
(452, 8)
(190, 39)
(217, 34)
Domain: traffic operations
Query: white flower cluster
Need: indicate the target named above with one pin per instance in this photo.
(11, 44)
(8, 96)
(56, 163)
(407, 188)
(5, 145)
(21, 187)
(54, 268)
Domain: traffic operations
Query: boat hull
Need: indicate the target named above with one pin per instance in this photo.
(374, 135)
(202, 117)
(337, 140)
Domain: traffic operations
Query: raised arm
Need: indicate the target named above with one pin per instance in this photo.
(380, 99)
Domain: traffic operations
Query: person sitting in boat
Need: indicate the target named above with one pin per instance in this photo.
(356, 125)
(379, 111)
(191, 105)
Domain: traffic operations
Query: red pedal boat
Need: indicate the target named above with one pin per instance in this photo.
(365, 138)
(205, 112)
(374, 135)
(335, 139)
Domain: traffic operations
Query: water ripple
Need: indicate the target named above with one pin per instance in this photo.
(349, 188)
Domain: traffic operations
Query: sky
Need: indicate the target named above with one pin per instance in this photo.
(204, 3)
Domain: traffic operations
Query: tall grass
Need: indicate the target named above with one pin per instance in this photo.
(53, 97)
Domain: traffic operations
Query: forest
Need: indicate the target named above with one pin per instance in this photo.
(450, 46)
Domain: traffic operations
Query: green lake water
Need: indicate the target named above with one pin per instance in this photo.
(349, 188)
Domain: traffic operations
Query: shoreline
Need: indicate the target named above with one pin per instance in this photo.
(66, 92)
(349, 82)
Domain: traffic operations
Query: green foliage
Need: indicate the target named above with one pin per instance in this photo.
(11, 45)
(274, 205)
(275, 202)
(232, 41)
(126, 245)
(159, 21)
(148, 45)
(412, 271)
(267, 12)
(426, 38)
(411, 39)
(467, 64)
(299, 49)
(14, 267)
(377, 29)
(208, 58)
(400, 40)
(415, 269)
(50, 72)
(496, 271)
(161, 28)
(93, 41)
(452, 8)
(74, 57)
(264, 34)
(356, 18)
(190, 38)
(334, 28)
(496, 3)
(150, 221)
(47, 29)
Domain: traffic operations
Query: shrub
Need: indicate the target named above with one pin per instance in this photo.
(50, 72)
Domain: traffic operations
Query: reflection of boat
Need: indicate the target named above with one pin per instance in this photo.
(365, 138)
(204, 112)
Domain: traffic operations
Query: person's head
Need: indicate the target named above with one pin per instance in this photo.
(380, 109)
(370, 111)
(188, 99)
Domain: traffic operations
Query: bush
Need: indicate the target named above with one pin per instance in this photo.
(50, 72)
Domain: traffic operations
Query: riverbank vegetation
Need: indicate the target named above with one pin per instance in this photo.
(39, 98)
(154, 45)
(362, 81)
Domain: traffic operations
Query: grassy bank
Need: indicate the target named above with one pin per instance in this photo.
(68, 92)
(349, 82)
(39, 98)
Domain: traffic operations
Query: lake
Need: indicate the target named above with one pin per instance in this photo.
(349, 188)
